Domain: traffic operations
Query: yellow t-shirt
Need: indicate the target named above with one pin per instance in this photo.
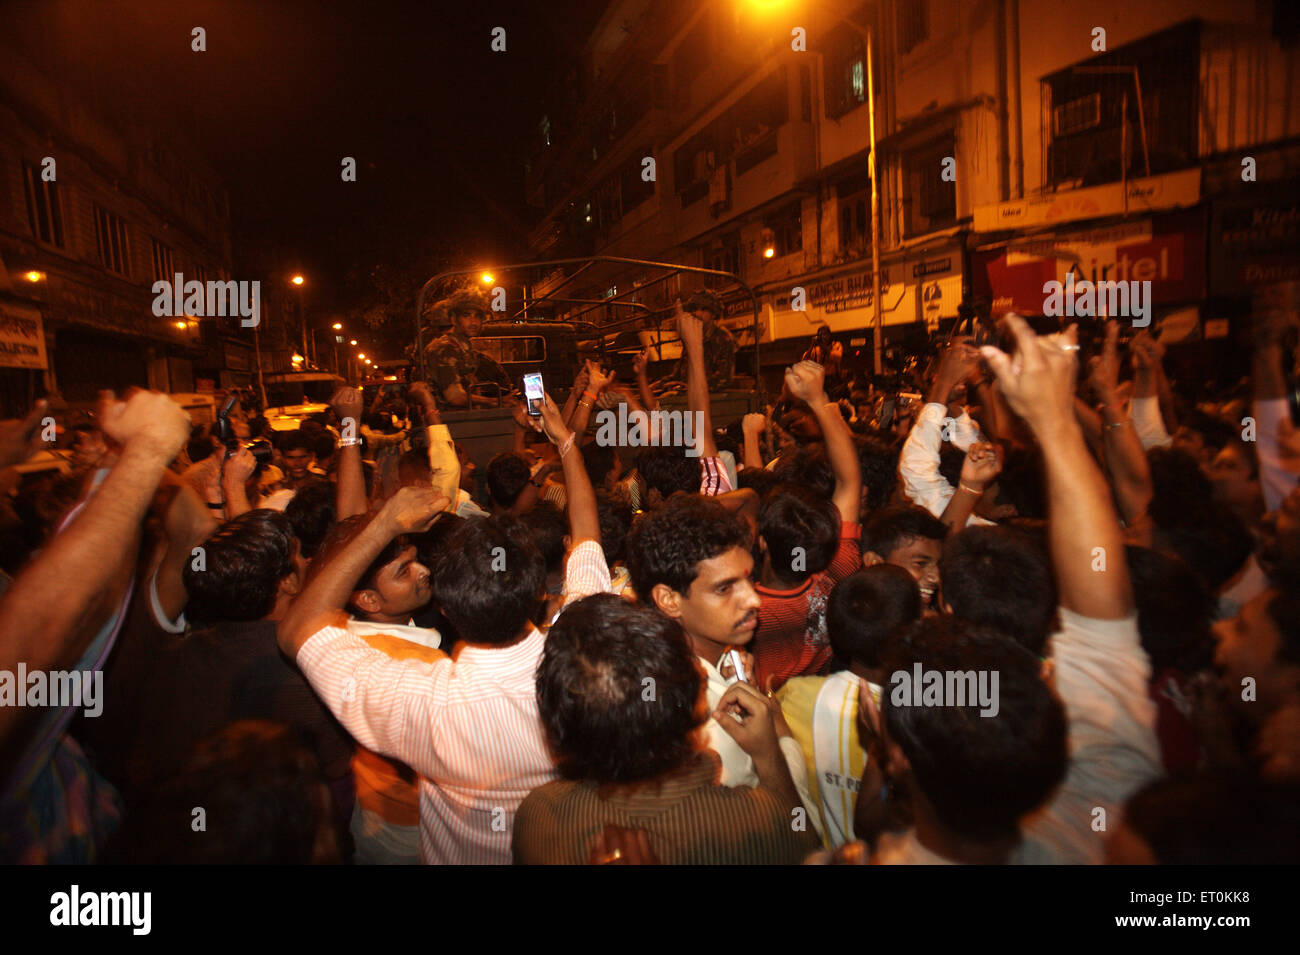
(823, 715)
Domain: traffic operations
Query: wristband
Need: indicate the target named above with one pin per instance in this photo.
(1118, 424)
(566, 445)
(970, 490)
(348, 442)
(589, 395)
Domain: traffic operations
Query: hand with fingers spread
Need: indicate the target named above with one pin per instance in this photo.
(597, 379)
(1038, 380)
(20, 438)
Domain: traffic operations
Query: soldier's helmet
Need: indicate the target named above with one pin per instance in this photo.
(705, 300)
(458, 303)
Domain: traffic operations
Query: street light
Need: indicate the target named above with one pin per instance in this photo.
(338, 327)
(34, 276)
(353, 342)
(297, 280)
(487, 278)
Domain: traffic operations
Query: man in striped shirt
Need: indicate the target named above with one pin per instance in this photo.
(467, 725)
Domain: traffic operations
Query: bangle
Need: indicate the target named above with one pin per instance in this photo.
(969, 490)
(589, 395)
(566, 445)
(348, 442)
(584, 401)
(1118, 424)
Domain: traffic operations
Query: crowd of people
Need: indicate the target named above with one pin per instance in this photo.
(1045, 611)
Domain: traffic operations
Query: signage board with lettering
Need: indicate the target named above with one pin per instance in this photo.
(22, 337)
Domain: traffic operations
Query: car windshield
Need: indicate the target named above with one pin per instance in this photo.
(283, 393)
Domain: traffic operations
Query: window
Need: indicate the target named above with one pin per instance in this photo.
(1077, 115)
(846, 72)
(930, 201)
(913, 24)
(854, 200)
(787, 229)
(44, 213)
(162, 262)
(725, 256)
(110, 231)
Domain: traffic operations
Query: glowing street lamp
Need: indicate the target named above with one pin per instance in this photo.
(338, 326)
(487, 278)
(297, 280)
(362, 356)
(34, 276)
(353, 342)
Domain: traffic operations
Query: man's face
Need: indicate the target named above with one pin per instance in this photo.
(1229, 472)
(1246, 646)
(1189, 440)
(919, 556)
(720, 608)
(404, 585)
(468, 324)
(296, 463)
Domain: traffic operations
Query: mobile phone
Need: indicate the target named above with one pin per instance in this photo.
(534, 393)
(738, 668)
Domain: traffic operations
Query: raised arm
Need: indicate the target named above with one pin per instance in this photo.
(411, 510)
(584, 525)
(806, 382)
(444, 465)
(1126, 459)
(981, 468)
(597, 382)
(47, 615)
(1083, 529)
(1279, 467)
(691, 330)
(187, 522)
(639, 366)
(753, 425)
(350, 493)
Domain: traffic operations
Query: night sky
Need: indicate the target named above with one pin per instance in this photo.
(436, 120)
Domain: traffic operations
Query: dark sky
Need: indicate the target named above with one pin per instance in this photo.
(435, 119)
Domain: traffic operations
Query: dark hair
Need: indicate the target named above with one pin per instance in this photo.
(793, 516)
(810, 467)
(878, 461)
(868, 608)
(980, 773)
(244, 562)
(1211, 537)
(1174, 611)
(261, 787)
(668, 545)
(311, 514)
(592, 691)
(951, 459)
(489, 578)
(598, 459)
(343, 534)
(548, 526)
(1284, 608)
(705, 299)
(1022, 484)
(668, 470)
(1001, 578)
(323, 446)
(413, 465)
(296, 441)
(507, 476)
(894, 526)
(615, 519)
(1217, 820)
(760, 480)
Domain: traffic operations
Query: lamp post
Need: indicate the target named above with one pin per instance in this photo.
(298, 281)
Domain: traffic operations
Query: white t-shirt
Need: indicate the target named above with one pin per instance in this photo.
(1102, 674)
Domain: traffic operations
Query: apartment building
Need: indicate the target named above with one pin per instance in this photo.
(94, 210)
(1016, 140)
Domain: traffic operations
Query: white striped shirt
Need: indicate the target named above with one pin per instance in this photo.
(468, 726)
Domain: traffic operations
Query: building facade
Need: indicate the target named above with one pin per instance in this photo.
(1017, 140)
(93, 211)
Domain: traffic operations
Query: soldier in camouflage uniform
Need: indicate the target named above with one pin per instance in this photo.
(719, 346)
(454, 367)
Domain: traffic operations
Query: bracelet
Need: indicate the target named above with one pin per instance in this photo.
(566, 445)
(584, 401)
(1114, 425)
(348, 442)
(969, 490)
(589, 395)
